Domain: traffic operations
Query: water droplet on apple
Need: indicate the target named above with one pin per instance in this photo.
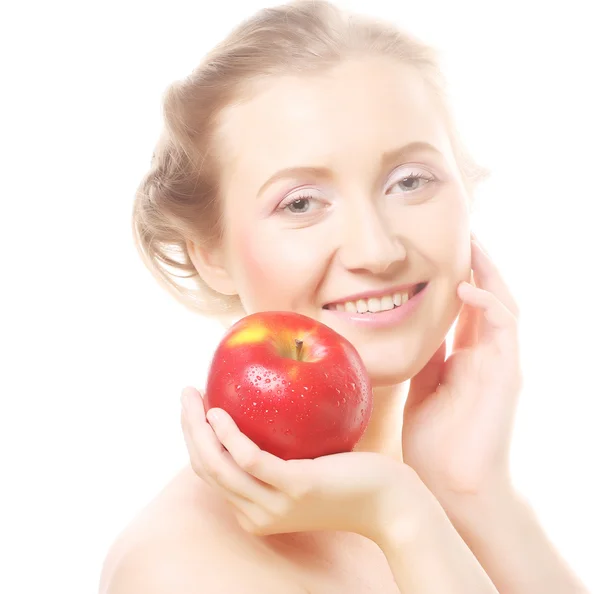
(267, 380)
(344, 400)
(258, 377)
(305, 387)
(238, 387)
(287, 432)
(338, 402)
(279, 392)
(258, 391)
(337, 390)
(254, 404)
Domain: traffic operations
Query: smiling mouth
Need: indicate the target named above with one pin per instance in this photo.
(377, 304)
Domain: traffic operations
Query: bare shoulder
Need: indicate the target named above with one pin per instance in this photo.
(186, 541)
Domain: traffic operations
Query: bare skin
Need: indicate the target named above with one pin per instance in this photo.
(367, 225)
(322, 562)
(189, 524)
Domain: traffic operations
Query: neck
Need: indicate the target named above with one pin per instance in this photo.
(384, 431)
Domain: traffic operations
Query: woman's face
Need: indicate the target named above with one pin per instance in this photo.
(342, 184)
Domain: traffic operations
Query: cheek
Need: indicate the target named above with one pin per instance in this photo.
(253, 270)
(274, 271)
(445, 239)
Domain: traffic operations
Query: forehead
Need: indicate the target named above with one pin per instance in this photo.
(353, 112)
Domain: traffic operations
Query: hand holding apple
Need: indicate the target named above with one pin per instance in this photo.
(294, 386)
(366, 493)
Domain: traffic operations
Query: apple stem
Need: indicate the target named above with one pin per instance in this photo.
(298, 348)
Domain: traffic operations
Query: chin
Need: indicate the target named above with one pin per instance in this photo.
(389, 371)
(398, 360)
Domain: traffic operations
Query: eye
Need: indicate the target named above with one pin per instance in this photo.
(297, 205)
(414, 182)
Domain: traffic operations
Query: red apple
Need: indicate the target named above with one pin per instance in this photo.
(294, 386)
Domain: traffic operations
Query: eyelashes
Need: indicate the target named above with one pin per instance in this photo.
(301, 200)
(295, 200)
(413, 177)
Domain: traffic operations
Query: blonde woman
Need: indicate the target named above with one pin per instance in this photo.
(311, 160)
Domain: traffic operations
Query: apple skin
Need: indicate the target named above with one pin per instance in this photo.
(315, 406)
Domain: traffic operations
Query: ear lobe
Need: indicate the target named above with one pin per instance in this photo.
(212, 268)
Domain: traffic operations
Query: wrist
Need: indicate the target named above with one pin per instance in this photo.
(496, 501)
(409, 514)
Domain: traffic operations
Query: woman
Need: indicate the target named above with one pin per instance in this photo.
(311, 160)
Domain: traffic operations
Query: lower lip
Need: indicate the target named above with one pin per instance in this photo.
(382, 319)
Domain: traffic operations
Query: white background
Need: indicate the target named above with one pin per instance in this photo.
(95, 353)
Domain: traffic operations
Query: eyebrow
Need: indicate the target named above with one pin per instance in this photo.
(386, 158)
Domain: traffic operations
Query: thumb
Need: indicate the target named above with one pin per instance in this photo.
(428, 379)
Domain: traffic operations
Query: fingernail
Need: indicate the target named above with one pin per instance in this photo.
(213, 416)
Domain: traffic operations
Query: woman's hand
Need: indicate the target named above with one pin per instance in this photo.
(459, 412)
(355, 492)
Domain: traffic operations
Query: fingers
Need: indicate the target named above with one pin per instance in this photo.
(467, 328)
(211, 461)
(488, 277)
(466, 333)
(264, 466)
(427, 380)
(486, 299)
(495, 313)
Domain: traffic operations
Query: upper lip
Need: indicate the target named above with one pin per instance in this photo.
(377, 293)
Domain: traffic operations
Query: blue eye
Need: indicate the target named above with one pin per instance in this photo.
(412, 178)
(298, 204)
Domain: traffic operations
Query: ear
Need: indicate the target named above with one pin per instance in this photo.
(212, 267)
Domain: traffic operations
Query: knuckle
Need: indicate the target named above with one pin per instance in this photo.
(254, 529)
(197, 466)
(262, 525)
(281, 506)
(299, 490)
(249, 459)
(217, 472)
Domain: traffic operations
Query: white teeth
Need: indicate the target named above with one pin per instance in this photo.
(374, 304)
(387, 302)
(361, 306)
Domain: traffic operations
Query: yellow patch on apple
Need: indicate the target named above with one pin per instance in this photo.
(250, 335)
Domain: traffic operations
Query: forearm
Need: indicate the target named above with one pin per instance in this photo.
(431, 557)
(504, 534)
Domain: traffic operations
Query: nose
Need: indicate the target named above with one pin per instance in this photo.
(368, 243)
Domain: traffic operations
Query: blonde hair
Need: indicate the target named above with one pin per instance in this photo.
(178, 199)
